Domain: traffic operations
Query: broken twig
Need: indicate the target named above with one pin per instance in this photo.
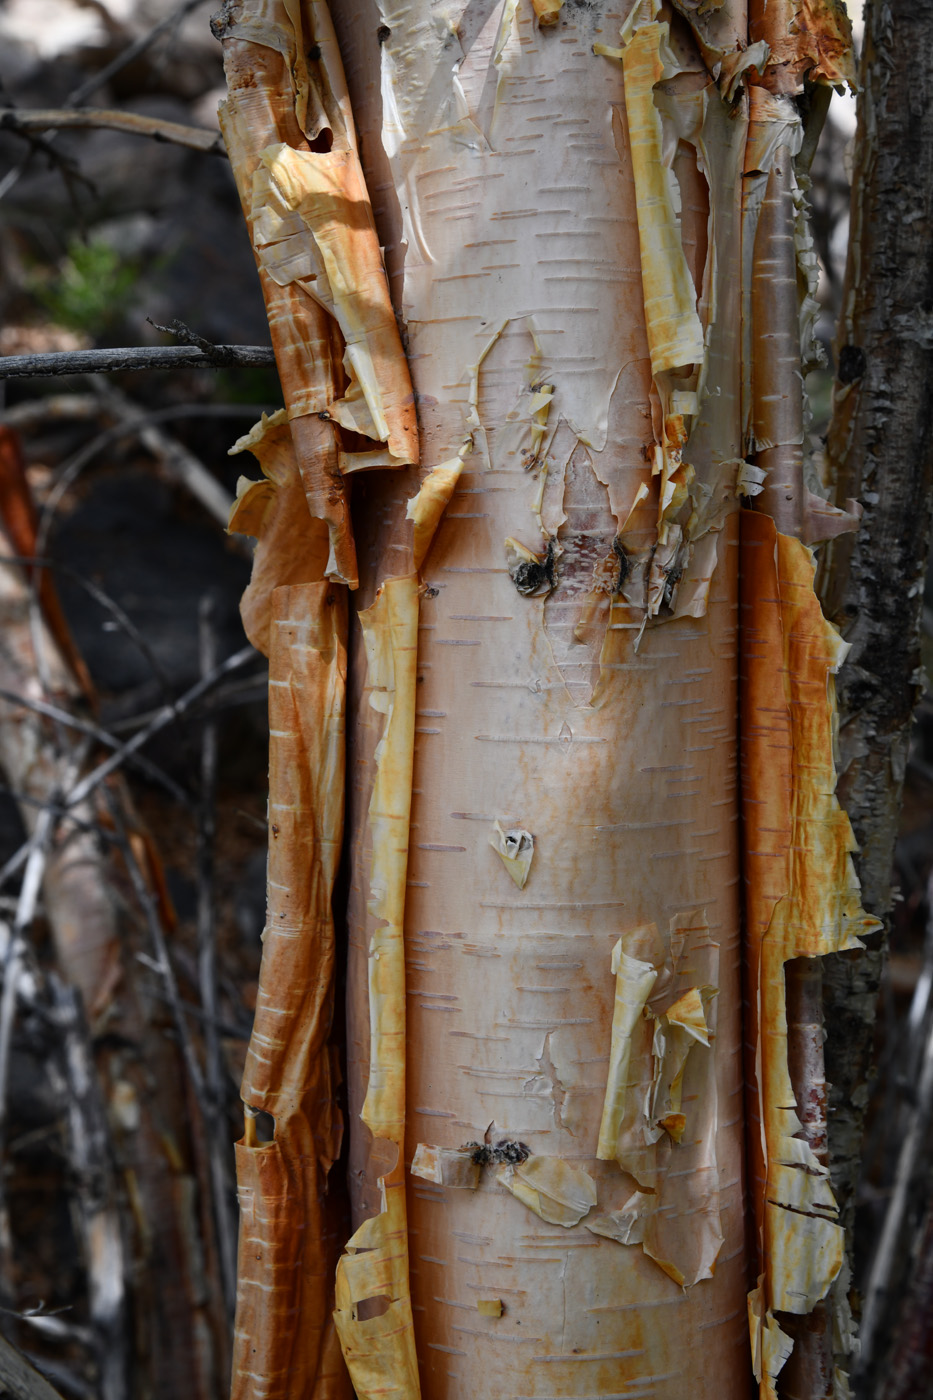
(196, 138)
(54, 362)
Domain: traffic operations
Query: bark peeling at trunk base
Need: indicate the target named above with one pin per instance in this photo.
(542, 809)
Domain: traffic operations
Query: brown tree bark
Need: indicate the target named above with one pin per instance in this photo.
(879, 450)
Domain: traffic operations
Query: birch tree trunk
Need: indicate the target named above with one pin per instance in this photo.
(594, 238)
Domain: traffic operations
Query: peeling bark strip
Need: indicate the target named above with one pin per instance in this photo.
(288, 1237)
(289, 1232)
(595, 252)
(380, 1349)
(289, 133)
(802, 894)
(802, 899)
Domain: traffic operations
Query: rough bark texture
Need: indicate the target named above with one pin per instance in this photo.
(880, 450)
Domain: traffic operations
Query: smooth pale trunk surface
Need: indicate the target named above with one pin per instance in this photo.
(630, 795)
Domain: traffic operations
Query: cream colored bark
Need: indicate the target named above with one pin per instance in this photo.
(544, 1035)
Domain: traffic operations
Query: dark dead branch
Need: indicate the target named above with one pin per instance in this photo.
(55, 362)
(34, 413)
(19, 1379)
(219, 1156)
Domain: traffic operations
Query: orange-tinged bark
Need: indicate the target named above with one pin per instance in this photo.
(380, 1349)
(796, 849)
(289, 133)
(809, 39)
(802, 899)
(290, 1230)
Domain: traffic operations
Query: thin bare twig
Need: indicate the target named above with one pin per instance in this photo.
(181, 463)
(62, 813)
(163, 717)
(219, 1154)
(91, 1160)
(94, 731)
(225, 697)
(158, 722)
(163, 962)
(66, 165)
(56, 362)
(12, 966)
(101, 596)
(33, 413)
(25, 913)
(24, 121)
(127, 55)
(15, 863)
(97, 81)
(228, 1031)
(187, 336)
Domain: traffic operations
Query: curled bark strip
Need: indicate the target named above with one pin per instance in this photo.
(288, 1231)
(288, 130)
(806, 39)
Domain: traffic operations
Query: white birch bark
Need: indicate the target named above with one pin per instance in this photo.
(544, 1031)
(511, 215)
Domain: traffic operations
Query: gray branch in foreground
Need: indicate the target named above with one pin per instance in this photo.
(134, 357)
(21, 1380)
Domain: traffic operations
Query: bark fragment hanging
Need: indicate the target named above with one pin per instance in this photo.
(289, 134)
(802, 899)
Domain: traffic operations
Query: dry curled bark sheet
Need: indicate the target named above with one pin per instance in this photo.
(596, 242)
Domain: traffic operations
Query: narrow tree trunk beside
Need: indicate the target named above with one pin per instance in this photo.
(880, 450)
